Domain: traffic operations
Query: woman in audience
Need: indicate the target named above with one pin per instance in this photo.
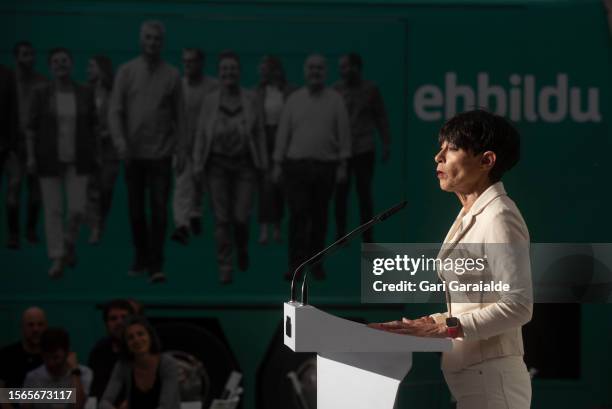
(148, 377)
(61, 150)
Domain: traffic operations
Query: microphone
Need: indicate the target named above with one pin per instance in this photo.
(336, 245)
(390, 212)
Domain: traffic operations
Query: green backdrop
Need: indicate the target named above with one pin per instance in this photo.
(561, 184)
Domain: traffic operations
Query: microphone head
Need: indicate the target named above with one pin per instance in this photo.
(393, 210)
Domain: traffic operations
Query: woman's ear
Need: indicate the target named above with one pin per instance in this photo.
(488, 159)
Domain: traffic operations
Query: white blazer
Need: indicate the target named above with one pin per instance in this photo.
(491, 329)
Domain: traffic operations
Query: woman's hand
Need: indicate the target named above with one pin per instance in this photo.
(421, 327)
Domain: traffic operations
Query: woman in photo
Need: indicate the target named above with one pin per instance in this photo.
(230, 150)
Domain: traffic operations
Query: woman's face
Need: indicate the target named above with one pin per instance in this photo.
(138, 339)
(93, 71)
(61, 65)
(457, 169)
(229, 72)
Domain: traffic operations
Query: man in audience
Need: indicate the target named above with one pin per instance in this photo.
(312, 146)
(17, 359)
(105, 353)
(146, 120)
(188, 192)
(27, 81)
(60, 369)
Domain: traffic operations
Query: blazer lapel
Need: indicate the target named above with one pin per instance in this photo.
(462, 225)
(465, 222)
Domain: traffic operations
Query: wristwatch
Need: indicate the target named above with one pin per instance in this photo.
(452, 327)
(76, 372)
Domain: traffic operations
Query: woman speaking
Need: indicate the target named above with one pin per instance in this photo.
(485, 368)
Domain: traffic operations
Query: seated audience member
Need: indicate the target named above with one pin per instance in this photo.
(105, 353)
(60, 369)
(17, 359)
(149, 378)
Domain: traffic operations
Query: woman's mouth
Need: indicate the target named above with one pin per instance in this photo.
(440, 174)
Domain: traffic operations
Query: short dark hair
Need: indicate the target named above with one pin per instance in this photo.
(200, 55)
(228, 55)
(19, 44)
(54, 338)
(124, 350)
(57, 50)
(355, 60)
(478, 131)
(117, 304)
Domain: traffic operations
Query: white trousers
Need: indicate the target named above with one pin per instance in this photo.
(52, 188)
(500, 383)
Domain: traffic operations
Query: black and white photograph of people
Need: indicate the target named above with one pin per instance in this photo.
(189, 142)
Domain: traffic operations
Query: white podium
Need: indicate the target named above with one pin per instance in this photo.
(357, 367)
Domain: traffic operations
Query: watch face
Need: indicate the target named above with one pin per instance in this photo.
(452, 322)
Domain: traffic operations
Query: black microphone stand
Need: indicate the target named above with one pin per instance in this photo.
(336, 245)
